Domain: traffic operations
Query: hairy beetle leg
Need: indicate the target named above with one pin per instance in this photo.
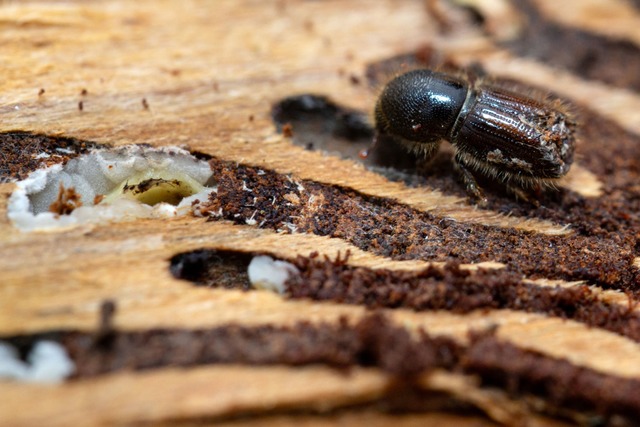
(474, 191)
(532, 196)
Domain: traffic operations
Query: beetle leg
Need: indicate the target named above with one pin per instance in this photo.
(365, 152)
(528, 196)
(471, 185)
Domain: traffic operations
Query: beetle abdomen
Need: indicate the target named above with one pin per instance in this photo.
(514, 137)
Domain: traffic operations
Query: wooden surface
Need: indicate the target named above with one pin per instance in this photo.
(205, 68)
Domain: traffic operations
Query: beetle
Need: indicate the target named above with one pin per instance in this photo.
(525, 142)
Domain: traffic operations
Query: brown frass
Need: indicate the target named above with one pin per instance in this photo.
(563, 385)
(454, 289)
(19, 152)
(373, 341)
(388, 228)
(435, 288)
(367, 342)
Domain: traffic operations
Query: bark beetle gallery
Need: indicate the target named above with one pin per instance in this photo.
(402, 301)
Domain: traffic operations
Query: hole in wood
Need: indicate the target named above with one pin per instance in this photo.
(213, 268)
(111, 184)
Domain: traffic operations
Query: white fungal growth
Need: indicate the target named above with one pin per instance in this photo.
(267, 273)
(11, 367)
(47, 362)
(111, 185)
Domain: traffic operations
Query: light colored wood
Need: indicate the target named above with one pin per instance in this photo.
(179, 394)
(176, 393)
(205, 67)
(596, 16)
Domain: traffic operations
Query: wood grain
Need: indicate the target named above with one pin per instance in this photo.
(210, 72)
